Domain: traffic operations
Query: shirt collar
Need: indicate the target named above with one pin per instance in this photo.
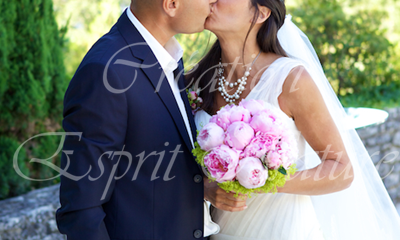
(167, 56)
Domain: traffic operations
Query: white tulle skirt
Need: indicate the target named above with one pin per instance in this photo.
(277, 216)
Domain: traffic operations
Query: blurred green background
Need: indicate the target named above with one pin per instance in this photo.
(42, 43)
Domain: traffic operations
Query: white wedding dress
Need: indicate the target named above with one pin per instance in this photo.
(362, 211)
(270, 216)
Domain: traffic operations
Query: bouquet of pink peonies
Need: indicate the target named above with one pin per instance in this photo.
(247, 148)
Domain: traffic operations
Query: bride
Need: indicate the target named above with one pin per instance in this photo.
(336, 193)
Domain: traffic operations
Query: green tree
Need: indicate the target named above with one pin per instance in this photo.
(87, 21)
(352, 46)
(11, 183)
(32, 85)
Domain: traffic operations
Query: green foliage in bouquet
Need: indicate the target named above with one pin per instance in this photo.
(275, 177)
(199, 153)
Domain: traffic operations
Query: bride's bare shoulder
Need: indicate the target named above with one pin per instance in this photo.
(298, 81)
(298, 91)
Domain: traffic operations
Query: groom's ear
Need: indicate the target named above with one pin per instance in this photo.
(171, 7)
(264, 14)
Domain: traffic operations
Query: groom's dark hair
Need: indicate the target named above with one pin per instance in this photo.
(205, 72)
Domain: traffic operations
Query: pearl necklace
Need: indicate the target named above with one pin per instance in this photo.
(222, 82)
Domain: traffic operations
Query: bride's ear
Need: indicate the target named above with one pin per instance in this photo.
(171, 7)
(264, 14)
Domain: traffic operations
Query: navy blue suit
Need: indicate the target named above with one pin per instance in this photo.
(138, 178)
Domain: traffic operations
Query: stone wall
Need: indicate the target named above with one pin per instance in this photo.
(32, 216)
(383, 145)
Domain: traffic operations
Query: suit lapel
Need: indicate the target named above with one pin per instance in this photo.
(182, 88)
(160, 83)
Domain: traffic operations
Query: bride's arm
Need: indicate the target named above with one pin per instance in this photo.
(302, 100)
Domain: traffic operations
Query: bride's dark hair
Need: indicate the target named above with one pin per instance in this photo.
(203, 75)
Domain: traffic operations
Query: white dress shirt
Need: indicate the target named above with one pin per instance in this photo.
(168, 57)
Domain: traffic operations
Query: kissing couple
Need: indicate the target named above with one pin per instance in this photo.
(140, 180)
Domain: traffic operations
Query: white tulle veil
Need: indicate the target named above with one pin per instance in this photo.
(365, 210)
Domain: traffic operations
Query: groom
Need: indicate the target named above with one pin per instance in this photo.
(129, 172)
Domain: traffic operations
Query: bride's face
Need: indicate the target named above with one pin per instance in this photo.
(230, 16)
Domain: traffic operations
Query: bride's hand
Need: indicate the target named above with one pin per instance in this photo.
(222, 200)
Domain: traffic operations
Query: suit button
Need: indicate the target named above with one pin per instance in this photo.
(198, 178)
(198, 234)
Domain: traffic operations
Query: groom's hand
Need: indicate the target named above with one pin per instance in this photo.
(222, 200)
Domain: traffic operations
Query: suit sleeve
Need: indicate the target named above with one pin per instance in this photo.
(100, 115)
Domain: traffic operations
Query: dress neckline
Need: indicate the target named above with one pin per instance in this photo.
(262, 77)
(259, 82)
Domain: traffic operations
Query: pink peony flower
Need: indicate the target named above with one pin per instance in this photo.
(273, 160)
(210, 136)
(251, 173)
(222, 118)
(239, 113)
(254, 106)
(238, 135)
(260, 145)
(286, 162)
(221, 162)
(288, 150)
(265, 121)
